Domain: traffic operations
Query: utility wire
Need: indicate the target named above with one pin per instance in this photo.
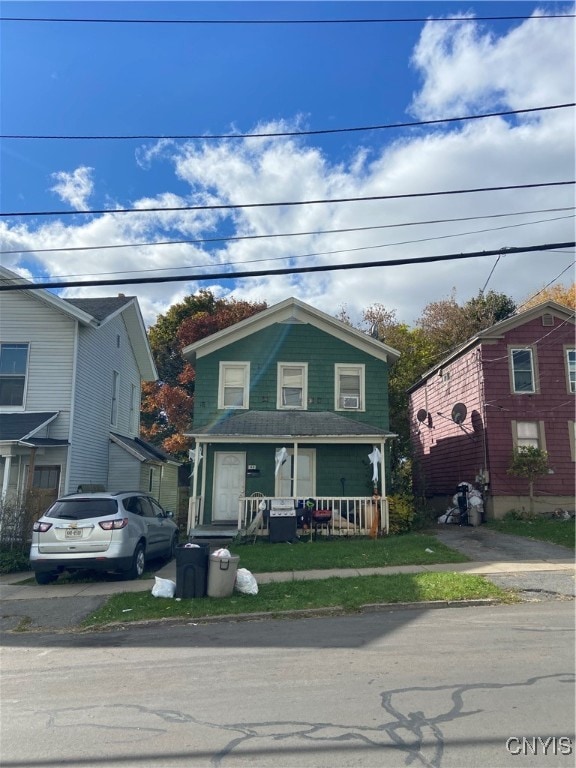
(287, 271)
(202, 240)
(223, 22)
(309, 255)
(236, 206)
(320, 131)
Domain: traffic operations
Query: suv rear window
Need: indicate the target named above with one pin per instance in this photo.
(80, 509)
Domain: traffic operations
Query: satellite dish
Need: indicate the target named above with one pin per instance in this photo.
(374, 331)
(459, 413)
(422, 415)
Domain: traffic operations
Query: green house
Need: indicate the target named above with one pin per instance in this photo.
(289, 404)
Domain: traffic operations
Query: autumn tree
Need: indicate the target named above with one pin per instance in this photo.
(561, 294)
(448, 324)
(168, 403)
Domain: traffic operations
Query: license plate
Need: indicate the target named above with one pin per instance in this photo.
(73, 533)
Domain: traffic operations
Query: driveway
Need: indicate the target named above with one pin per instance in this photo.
(481, 544)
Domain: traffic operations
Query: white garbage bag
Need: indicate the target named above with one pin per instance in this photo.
(245, 582)
(163, 587)
(221, 553)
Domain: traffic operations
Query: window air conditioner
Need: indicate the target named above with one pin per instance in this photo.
(350, 401)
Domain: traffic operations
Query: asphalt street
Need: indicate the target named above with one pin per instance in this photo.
(429, 688)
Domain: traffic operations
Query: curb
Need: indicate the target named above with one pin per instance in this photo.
(304, 613)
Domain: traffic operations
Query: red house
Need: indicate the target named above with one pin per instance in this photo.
(511, 385)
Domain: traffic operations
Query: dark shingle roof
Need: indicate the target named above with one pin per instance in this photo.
(15, 426)
(100, 308)
(290, 424)
(145, 451)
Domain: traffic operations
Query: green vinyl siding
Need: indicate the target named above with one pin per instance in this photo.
(298, 343)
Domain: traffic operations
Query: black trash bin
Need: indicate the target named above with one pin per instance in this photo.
(191, 570)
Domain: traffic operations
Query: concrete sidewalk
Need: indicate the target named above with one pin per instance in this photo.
(11, 589)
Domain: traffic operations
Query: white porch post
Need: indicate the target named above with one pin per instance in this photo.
(295, 471)
(193, 516)
(6, 477)
(383, 502)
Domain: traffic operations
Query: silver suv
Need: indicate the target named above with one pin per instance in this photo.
(101, 531)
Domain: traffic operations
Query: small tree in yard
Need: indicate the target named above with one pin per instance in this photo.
(529, 462)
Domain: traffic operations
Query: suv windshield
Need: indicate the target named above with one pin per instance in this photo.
(80, 509)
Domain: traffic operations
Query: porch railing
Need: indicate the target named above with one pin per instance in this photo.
(351, 515)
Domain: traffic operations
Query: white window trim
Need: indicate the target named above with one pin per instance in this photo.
(134, 409)
(25, 390)
(362, 369)
(568, 349)
(572, 437)
(246, 384)
(533, 365)
(540, 429)
(304, 406)
(114, 405)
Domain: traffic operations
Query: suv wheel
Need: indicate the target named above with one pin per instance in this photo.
(45, 577)
(138, 563)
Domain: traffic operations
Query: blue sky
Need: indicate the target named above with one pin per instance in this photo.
(165, 79)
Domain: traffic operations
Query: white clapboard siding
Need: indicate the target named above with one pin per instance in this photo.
(99, 354)
(124, 473)
(50, 335)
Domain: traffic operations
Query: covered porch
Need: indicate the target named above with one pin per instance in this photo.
(320, 461)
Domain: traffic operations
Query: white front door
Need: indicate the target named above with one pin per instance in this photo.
(305, 474)
(229, 475)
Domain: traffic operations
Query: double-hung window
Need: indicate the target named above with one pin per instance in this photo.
(527, 434)
(115, 396)
(349, 380)
(571, 369)
(13, 369)
(522, 367)
(292, 385)
(234, 383)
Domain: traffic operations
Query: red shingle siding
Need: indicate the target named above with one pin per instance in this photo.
(446, 454)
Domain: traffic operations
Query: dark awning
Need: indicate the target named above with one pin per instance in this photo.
(15, 427)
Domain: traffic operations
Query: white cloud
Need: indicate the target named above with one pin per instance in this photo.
(74, 188)
(464, 69)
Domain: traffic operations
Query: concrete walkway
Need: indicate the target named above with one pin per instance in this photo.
(536, 569)
(11, 589)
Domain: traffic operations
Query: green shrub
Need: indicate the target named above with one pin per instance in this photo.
(13, 561)
(401, 508)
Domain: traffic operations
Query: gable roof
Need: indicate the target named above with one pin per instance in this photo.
(142, 450)
(279, 425)
(291, 311)
(101, 307)
(498, 330)
(95, 312)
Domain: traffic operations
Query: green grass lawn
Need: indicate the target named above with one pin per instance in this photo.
(555, 531)
(339, 593)
(353, 552)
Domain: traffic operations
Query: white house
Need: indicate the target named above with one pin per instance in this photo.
(71, 372)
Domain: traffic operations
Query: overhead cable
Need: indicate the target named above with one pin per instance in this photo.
(275, 134)
(202, 240)
(236, 206)
(244, 22)
(25, 285)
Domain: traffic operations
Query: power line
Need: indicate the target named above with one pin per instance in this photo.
(275, 134)
(310, 255)
(246, 22)
(236, 206)
(202, 240)
(286, 271)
